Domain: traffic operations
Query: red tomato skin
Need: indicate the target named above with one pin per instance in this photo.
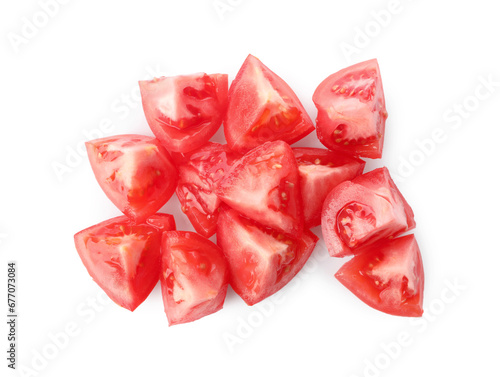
(194, 277)
(264, 186)
(139, 159)
(375, 190)
(241, 239)
(320, 170)
(249, 116)
(353, 109)
(161, 95)
(361, 274)
(128, 282)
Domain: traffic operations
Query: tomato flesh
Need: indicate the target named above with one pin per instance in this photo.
(357, 213)
(320, 171)
(135, 172)
(388, 276)
(264, 186)
(194, 277)
(262, 107)
(184, 112)
(261, 260)
(351, 110)
(122, 258)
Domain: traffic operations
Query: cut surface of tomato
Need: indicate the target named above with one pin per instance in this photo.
(264, 186)
(351, 110)
(262, 107)
(194, 277)
(388, 276)
(135, 172)
(122, 258)
(261, 260)
(198, 174)
(320, 170)
(355, 215)
(184, 112)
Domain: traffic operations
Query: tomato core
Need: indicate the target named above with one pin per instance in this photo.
(354, 222)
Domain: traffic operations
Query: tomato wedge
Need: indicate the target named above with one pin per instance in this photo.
(194, 277)
(351, 110)
(122, 258)
(262, 107)
(358, 213)
(184, 112)
(199, 171)
(388, 276)
(264, 186)
(135, 172)
(320, 171)
(261, 260)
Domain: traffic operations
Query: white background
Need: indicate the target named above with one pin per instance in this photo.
(78, 70)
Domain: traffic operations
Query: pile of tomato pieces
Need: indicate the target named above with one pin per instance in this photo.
(259, 195)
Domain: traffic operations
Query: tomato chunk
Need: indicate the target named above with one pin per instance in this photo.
(388, 276)
(358, 213)
(135, 172)
(320, 171)
(122, 258)
(184, 112)
(264, 186)
(261, 260)
(194, 277)
(199, 172)
(262, 107)
(351, 110)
